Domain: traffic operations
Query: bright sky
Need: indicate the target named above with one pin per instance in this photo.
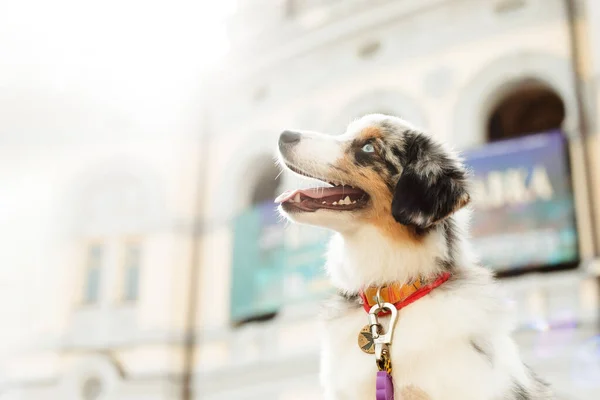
(119, 54)
(73, 67)
(112, 33)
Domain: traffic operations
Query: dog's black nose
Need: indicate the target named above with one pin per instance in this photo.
(288, 138)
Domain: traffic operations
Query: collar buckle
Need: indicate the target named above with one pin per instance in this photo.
(382, 339)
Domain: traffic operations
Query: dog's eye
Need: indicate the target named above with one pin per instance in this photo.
(368, 148)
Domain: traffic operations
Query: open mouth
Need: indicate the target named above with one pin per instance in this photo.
(335, 197)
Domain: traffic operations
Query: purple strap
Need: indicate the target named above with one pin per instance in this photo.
(384, 386)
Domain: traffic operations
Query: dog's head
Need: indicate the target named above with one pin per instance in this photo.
(381, 171)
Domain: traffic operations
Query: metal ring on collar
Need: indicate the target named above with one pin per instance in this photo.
(379, 300)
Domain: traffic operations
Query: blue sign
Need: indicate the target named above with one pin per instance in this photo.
(274, 264)
(524, 208)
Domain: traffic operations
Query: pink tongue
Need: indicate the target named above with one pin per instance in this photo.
(318, 193)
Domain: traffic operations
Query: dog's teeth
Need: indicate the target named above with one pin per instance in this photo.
(354, 202)
(335, 203)
(297, 198)
(324, 202)
(345, 201)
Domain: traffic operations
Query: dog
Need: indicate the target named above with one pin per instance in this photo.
(396, 199)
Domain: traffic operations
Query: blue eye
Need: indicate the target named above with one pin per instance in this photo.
(368, 148)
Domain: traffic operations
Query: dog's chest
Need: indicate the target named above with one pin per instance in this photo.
(427, 363)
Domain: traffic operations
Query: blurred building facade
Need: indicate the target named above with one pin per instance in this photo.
(100, 255)
(467, 71)
(152, 251)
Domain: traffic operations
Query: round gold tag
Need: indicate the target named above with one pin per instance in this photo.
(365, 340)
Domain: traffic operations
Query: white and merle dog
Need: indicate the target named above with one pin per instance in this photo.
(396, 201)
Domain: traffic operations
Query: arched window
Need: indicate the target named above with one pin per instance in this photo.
(529, 107)
(267, 181)
(258, 239)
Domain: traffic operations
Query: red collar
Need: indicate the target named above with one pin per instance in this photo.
(400, 295)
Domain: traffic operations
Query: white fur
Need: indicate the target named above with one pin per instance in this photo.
(363, 257)
(315, 153)
(431, 345)
(366, 121)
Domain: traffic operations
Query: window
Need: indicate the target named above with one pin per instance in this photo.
(531, 107)
(91, 293)
(131, 261)
(267, 183)
(261, 247)
(92, 388)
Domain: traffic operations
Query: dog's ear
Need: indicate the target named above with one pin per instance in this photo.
(432, 185)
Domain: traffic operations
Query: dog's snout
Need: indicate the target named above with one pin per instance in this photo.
(288, 138)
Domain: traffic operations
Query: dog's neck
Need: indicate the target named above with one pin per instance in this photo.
(368, 257)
